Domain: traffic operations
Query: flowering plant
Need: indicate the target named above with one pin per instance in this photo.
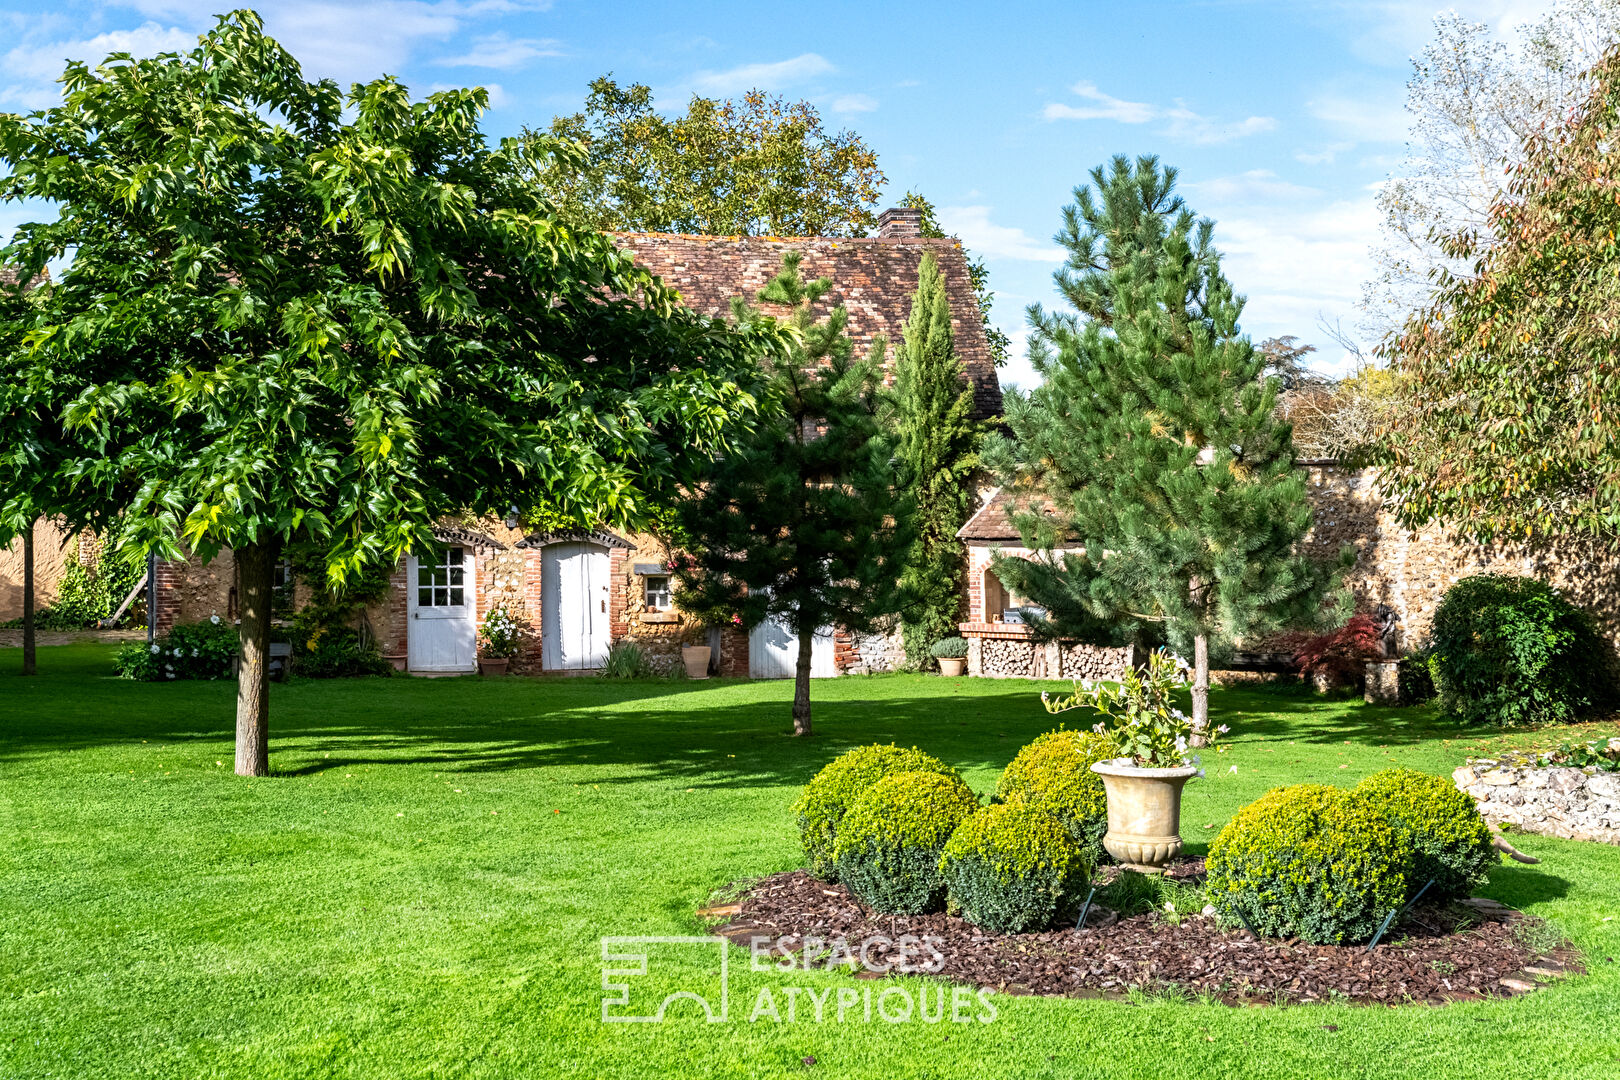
(1139, 717)
(500, 634)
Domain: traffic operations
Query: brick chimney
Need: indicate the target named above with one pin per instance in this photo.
(900, 221)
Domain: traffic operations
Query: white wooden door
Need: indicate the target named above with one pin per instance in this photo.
(574, 629)
(443, 630)
(773, 652)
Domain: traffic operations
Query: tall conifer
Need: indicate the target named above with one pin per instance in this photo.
(1156, 440)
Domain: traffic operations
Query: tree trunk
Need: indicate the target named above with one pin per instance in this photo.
(255, 563)
(28, 667)
(1200, 691)
(801, 684)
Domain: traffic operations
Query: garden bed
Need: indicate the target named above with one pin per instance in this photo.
(1436, 954)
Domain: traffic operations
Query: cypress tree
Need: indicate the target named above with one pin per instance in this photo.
(801, 521)
(936, 451)
(1156, 440)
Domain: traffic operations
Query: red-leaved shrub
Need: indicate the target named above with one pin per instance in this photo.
(1340, 653)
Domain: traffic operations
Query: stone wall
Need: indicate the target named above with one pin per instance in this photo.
(869, 654)
(53, 547)
(1578, 804)
(1409, 571)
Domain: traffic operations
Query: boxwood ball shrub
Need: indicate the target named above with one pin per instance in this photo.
(1012, 868)
(828, 797)
(889, 843)
(1054, 773)
(1511, 650)
(1437, 826)
(1307, 861)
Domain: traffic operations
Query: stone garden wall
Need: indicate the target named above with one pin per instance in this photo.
(1577, 804)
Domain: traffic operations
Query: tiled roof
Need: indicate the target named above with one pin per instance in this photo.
(873, 277)
(994, 523)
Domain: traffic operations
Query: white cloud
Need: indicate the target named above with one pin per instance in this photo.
(854, 103)
(982, 236)
(500, 51)
(1256, 185)
(1389, 32)
(1182, 123)
(1361, 117)
(772, 76)
(31, 70)
(1324, 156)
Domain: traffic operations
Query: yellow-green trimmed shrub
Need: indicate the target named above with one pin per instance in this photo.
(890, 841)
(1437, 826)
(1307, 861)
(1013, 867)
(1054, 773)
(828, 797)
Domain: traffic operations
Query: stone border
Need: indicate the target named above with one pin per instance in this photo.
(1563, 801)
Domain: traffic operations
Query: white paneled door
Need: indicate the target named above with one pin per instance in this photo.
(574, 630)
(773, 652)
(443, 632)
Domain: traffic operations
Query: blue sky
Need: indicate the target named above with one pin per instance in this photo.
(1282, 117)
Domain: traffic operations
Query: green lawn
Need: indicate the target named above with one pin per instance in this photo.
(421, 889)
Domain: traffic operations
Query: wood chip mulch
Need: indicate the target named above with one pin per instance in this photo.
(1436, 954)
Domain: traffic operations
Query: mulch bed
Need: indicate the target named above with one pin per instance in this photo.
(1436, 954)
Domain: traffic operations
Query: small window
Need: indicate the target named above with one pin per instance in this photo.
(440, 579)
(658, 592)
(281, 588)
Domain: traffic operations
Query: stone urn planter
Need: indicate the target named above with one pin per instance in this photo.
(951, 667)
(493, 665)
(696, 659)
(1144, 813)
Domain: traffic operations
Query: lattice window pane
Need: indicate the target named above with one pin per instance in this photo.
(456, 597)
(424, 597)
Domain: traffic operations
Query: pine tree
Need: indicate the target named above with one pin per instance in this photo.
(936, 450)
(801, 521)
(1156, 440)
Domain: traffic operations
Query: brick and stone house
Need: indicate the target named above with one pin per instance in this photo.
(580, 592)
(1402, 571)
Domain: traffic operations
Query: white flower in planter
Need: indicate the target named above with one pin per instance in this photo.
(214, 619)
(156, 650)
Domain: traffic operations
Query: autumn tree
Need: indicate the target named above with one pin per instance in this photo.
(298, 316)
(758, 165)
(1508, 426)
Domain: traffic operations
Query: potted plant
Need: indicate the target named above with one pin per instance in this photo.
(951, 653)
(696, 660)
(498, 641)
(1150, 738)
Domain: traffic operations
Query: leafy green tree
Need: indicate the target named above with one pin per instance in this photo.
(1155, 440)
(757, 166)
(298, 316)
(1506, 381)
(937, 453)
(800, 521)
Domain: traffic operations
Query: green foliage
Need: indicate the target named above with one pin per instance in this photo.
(755, 166)
(627, 660)
(937, 454)
(1512, 650)
(1140, 720)
(832, 791)
(1416, 680)
(801, 521)
(1053, 773)
(325, 650)
(1507, 376)
(1153, 436)
(282, 327)
(978, 276)
(889, 844)
(949, 648)
(1307, 861)
(86, 595)
(1437, 826)
(201, 650)
(1012, 868)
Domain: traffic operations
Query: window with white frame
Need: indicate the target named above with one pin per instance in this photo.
(657, 586)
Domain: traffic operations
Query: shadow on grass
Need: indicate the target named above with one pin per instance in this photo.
(1520, 886)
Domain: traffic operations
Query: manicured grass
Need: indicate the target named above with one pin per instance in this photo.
(421, 889)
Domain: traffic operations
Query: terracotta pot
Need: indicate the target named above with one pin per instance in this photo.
(493, 665)
(696, 659)
(398, 660)
(1144, 813)
(950, 666)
